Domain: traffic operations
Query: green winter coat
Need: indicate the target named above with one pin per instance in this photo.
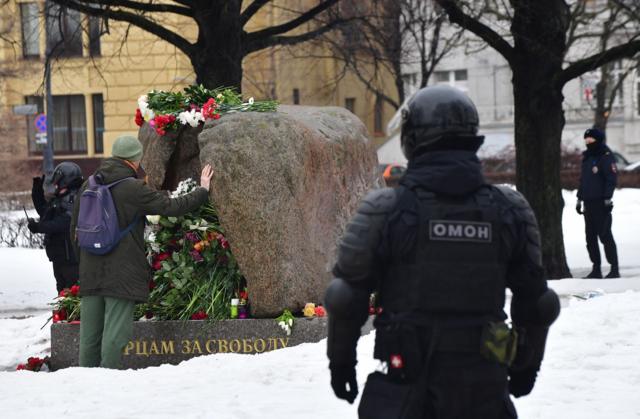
(125, 272)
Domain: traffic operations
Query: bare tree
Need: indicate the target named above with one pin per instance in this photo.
(612, 17)
(221, 40)
(532, 36)
(386, 37)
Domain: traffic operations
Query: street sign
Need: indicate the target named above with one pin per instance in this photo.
(41, 123)
(25, 109)
(41, 137)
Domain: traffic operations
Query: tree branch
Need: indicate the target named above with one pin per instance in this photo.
(144, 7)
(136, 20)
(292, 24)
(456, 15)
(251, 10)
(580, 67)
(260, 43)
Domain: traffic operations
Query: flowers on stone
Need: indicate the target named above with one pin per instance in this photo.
(161, 122)
(223, 241)
(194, 105)
(309, 310)
(143, 107)
(209, 109)
(139, 118)
(199, 315)
(191, 117)
(285, 321)
(320, 312)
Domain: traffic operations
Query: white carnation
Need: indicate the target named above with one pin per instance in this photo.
(147, 113)
(191, 117)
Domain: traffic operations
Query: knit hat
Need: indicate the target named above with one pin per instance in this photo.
(596, 134)
(127, 147)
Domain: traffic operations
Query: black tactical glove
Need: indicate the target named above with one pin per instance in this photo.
(608, 204)
(579, 207)
(341, 375)
(521, 382)
(32, 225)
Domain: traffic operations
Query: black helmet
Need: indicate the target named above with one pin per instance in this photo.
(442, 118)
(67, 175)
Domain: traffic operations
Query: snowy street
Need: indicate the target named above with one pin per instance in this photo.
(591, 367)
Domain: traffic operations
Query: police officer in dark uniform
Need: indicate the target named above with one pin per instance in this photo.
(55, 220)
(598, 179)
(440, 250)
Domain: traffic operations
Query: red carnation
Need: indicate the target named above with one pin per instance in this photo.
(209, 109)
(200, 315)
(244, 295)
(64, 292)
(319, 310)
(139, 119)
(75, 289)
(33, 363)
(223, 241)
(21, 367)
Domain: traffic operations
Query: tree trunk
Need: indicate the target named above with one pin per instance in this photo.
(602, 94)
(218, 52)
(539, 120)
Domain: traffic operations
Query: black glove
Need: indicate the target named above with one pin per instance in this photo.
(608, 205)
(579, 207)
(32, 225)
(341, 375)
(521, 382)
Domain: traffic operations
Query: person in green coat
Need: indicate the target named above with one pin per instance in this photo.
(111, 284)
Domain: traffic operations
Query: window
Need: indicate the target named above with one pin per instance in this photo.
(33, 136)
(95, 31)
(296, 96)
(454, 78)
(69, 124)
(378, 116)
(64, 31)
(98, 123)
(30, 21)
(350, 104)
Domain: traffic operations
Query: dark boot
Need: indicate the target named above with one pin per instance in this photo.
(613, 273)
(595, 273)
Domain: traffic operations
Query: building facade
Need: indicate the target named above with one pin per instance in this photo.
(486, 78)
(98, 75)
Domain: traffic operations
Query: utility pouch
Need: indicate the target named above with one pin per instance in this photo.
(499, 343)
(398, 345)
(384, 398)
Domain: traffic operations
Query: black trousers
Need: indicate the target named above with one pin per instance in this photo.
(597, 221)
(66, 275)
(455, 386)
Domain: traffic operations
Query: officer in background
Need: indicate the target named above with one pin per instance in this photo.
(55, 220)
(598, 179)
(439, 251)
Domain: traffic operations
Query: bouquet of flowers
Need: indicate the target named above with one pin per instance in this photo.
(194, 105)
(66, 308)
(195, 274)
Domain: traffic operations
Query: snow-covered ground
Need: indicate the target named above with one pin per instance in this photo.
(591, 368)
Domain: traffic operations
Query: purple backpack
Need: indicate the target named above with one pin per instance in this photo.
(98, 231)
